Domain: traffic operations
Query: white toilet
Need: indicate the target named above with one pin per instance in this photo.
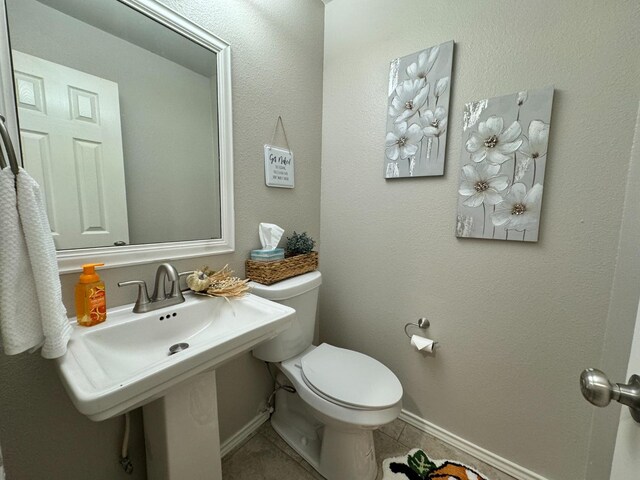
(340, 397)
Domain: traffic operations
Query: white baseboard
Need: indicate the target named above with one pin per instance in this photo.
(480, 453)
(242, 434)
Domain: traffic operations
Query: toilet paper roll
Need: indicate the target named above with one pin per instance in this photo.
(422, 344)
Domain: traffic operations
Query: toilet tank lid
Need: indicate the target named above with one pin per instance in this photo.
(288, 288)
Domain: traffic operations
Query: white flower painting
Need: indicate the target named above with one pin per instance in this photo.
(504, 155)
(418, 112)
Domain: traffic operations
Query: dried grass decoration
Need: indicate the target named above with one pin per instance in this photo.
(217, 284)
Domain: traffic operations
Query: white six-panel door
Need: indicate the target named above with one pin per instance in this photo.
(72, 146)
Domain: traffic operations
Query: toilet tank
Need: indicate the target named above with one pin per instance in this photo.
(301, 294)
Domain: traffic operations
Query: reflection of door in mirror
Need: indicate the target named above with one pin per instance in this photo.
(72, 145)
(168, 121)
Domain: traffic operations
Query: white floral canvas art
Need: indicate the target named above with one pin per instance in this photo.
(417, 113)
(504, 155)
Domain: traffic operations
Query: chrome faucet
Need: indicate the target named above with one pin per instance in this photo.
(165, 272)
(160, 298)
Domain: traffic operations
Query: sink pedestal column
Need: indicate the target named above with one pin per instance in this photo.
(181, 432)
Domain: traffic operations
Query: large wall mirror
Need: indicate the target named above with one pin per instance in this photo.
(122, 111)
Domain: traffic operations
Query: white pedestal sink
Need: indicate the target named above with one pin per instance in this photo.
(125, 363)
(181, 431)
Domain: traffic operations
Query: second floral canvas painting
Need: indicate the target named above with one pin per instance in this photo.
(504, 154)
(417, 113)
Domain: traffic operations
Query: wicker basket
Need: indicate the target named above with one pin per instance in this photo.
(268, 273)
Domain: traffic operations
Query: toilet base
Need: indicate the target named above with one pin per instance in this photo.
(335, 450)
(294, 423)
(348, 455)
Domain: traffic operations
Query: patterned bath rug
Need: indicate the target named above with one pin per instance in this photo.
(416, 465)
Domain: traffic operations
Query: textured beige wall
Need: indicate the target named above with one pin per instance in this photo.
(517, 322)
(277, 55)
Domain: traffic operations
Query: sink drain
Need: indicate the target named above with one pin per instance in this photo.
(178, 347)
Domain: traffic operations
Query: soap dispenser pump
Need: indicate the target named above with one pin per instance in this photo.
(91, 301)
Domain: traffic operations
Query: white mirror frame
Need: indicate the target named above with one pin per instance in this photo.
(72, 260)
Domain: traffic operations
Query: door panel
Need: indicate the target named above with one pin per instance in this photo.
(72, 145)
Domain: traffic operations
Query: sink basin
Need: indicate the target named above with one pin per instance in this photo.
(125, 362)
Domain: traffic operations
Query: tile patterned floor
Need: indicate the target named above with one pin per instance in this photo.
(265, 456)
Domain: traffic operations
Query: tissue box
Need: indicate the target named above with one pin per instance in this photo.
(267, 255)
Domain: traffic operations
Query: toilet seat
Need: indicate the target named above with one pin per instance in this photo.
(349, 378)
(327, 409)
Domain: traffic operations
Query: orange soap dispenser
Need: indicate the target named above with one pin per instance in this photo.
(91, 302)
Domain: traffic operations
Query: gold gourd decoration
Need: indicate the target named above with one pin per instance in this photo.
(198, 281)
(219, 283)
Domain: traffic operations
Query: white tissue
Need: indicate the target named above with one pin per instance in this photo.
(270, 235)
(422, 344)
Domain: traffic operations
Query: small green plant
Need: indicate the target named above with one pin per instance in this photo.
(299, 244)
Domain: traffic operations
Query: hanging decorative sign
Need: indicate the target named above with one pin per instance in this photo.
(278, 167)
(278, 162)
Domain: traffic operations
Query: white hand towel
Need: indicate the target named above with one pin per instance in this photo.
(19, 309)
(31, 309)
(54, 324)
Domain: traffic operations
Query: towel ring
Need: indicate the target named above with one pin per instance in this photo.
(8, 146)
(423, 323)
(3, 162)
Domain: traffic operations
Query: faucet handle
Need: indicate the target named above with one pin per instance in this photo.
(143, 294)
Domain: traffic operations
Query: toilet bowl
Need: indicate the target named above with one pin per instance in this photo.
(340, 396)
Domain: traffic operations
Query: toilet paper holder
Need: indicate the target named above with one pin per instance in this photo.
(423, 323)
